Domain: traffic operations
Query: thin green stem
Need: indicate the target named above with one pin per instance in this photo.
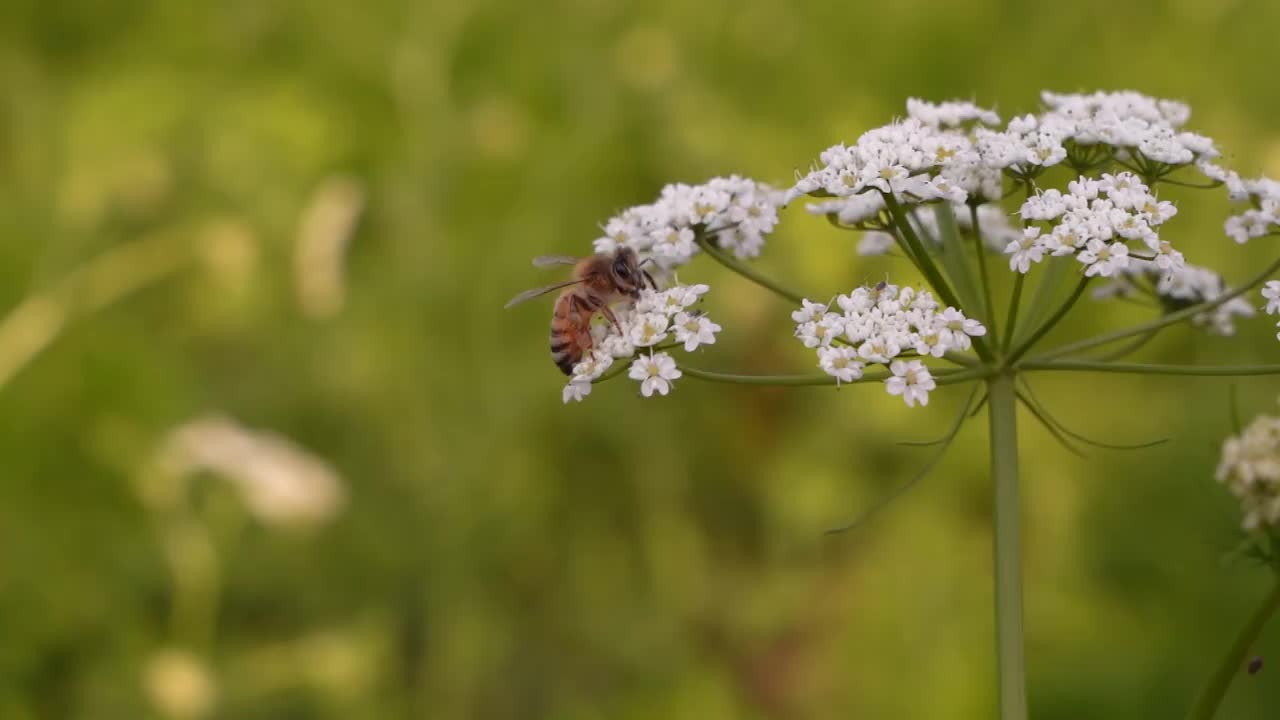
(747, 271)
(989, 309)
(1008, 547)
(930, 271)
(943, 376)
(1128, 348)
(1014, 301)
(897, 492)
(1151, 369)
(1200, 186)
(1054, 319)
(1216, 688)
(1165, 321)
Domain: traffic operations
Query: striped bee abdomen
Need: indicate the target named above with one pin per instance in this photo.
(570, 331)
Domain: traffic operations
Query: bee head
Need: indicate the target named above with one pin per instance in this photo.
(626, 273)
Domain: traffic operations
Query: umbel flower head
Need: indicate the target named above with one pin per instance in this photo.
(1250, 468)
(933, 188)
(879, 324)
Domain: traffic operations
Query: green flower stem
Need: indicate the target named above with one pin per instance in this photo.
(1211, 696)
(1151, 369)
(1008, 546)
(989, 309)
(940, 376)
(1014, 301)
(931, 273)
(1128, 348)
(1053, 320)
(1165, 321)
(747, 271)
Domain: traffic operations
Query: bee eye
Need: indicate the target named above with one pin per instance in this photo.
(622, 270)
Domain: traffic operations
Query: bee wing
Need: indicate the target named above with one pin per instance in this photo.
(543, 261)
(535, 292)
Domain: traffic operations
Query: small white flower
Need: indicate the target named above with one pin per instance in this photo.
(655, 373)
(575, 390)
(879, 348)
(648, 329)
(1025, 251)
(1271, 293)
(1102, 259)
(694, 330)
(822, 332)
(592, 365)
(809, 312)
(911, 380)
(956, 321)
(840, 362)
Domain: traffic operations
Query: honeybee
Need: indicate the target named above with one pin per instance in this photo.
(598, 282)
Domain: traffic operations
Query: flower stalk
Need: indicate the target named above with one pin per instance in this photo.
(1007, 541)
(1232, 663)
(919, 184)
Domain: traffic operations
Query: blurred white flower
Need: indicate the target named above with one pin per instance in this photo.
(1250, 468)
(281, 483)
(319, 258)
(1271, 293)
(575, 390)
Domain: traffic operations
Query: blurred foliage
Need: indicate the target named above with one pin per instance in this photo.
(500, 555)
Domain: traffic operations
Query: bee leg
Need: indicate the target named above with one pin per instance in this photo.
(583, 311)
(604, 309)
(649, 277)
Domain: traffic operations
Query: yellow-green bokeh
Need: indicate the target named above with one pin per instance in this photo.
(500, 555)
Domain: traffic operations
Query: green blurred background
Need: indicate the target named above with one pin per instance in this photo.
(496, 554)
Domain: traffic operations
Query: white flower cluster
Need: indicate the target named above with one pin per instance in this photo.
(1093, 221)
(929, 155)
(924, 157)
(1250, 468)
(1181, 288)
(743, 210)
(643, 327)
(1263, 218)
(1128, 122)
(881, 325)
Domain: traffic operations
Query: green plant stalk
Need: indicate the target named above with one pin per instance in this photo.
(747, 271)
(1014, 301)
(930, 271)
(989, 308)
(1164, 321)
(1151, 369)
(1002, 411)
(941, 376)
(1048, 325)
(1216, 689)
